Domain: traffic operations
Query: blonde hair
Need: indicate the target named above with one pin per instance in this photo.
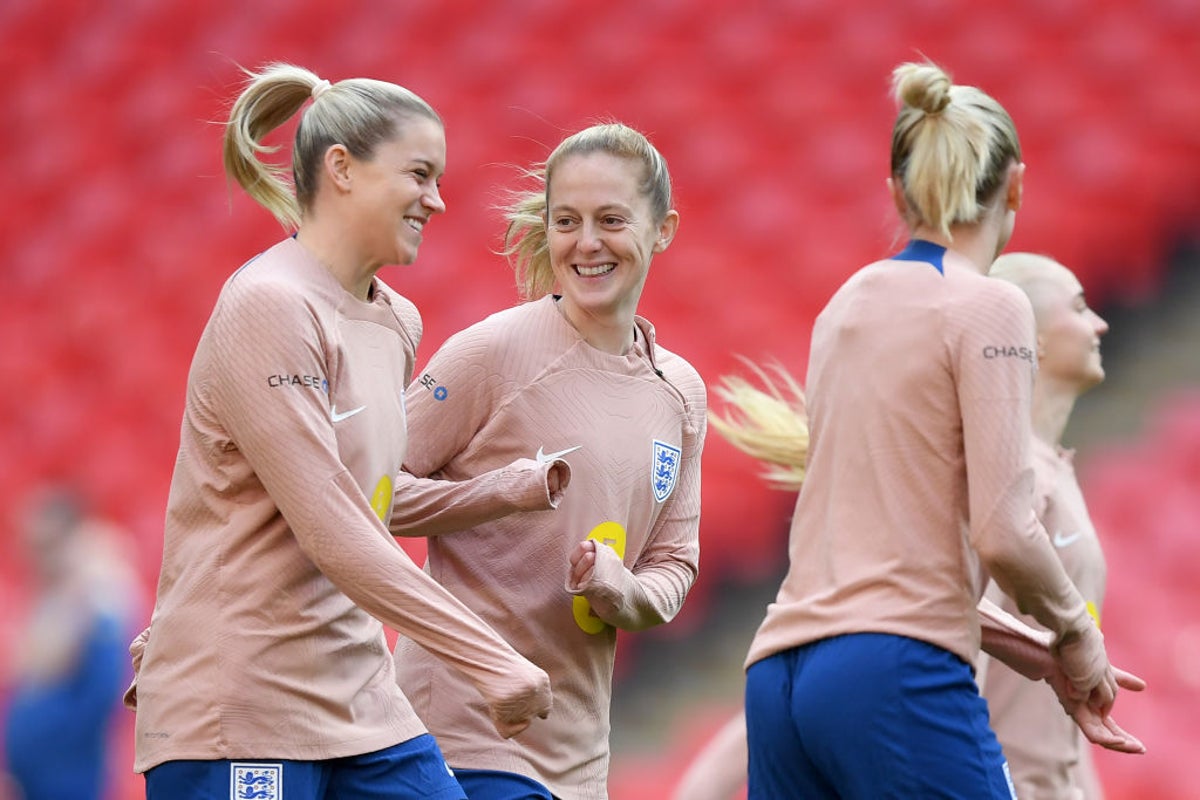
(951, 146)
(358, 113)
(525, 241)
(770, 424)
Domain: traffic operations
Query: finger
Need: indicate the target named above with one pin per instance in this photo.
(1127, 680)
(1096, 732)
(583, 567)
(1105, 731)
(1103, 695)
(1129, 742)
(1133, 745)
(581, 550)
(584, 571)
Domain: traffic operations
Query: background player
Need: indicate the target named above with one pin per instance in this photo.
(69, 663)
(1045, 751)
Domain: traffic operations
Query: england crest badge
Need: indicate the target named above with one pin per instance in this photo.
(256, 781)
(664, 471)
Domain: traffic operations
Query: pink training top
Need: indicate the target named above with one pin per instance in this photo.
(523, 383)
(262, 643)
(918, 393)
(1042, 744)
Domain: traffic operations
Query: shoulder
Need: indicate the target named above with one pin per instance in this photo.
(498, 332)
(686, 380)
(680, 371)
(258, 297)
(988, 305)
(277, 278)
(980, 292)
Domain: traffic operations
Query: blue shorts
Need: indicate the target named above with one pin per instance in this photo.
(412, 770)
(870, 715)
(493, 784)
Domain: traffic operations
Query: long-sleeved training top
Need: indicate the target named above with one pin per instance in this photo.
(524, 384)
(1043, 745)
(262, 643)
(918, 391)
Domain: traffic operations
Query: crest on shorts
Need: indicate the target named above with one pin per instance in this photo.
(255, 781)
(664, 471)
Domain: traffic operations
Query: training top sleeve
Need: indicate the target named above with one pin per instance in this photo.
(995, 361)
(431, 507)
(288, 440)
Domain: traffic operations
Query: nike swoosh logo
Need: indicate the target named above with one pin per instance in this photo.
(546, 458)
(1061, 540)
(338, 416)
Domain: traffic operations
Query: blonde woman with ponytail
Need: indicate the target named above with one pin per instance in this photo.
(265, 671)
(768, 422)
(574, 373)
(916, 487)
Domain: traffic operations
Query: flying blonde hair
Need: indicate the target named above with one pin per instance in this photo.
(769, 423)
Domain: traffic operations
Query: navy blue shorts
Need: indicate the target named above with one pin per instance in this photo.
(493, 784)
(412, 770)
(874, 716)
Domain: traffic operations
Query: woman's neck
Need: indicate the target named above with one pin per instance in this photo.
(327, 249)
(610, 333)
(978, 243)
(1052, 407)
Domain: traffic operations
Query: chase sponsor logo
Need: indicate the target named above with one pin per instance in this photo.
(664, 470)
(429, 382)
(255, 781)
(1008, 351)
(303, 381)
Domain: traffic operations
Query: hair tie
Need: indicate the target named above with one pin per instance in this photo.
(321, 88)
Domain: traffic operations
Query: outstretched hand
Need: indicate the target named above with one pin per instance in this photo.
(1092, 715)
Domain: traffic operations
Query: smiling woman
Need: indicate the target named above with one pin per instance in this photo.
(602, 235)
(577, 374)
(265, 664)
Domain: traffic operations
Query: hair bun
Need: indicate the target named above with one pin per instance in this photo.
(922, 86)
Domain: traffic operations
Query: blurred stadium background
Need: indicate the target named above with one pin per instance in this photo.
(118, 230)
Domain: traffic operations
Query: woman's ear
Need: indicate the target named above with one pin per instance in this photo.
(1016, 186)
(896, 190)
(336, 164)
(666, 231)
